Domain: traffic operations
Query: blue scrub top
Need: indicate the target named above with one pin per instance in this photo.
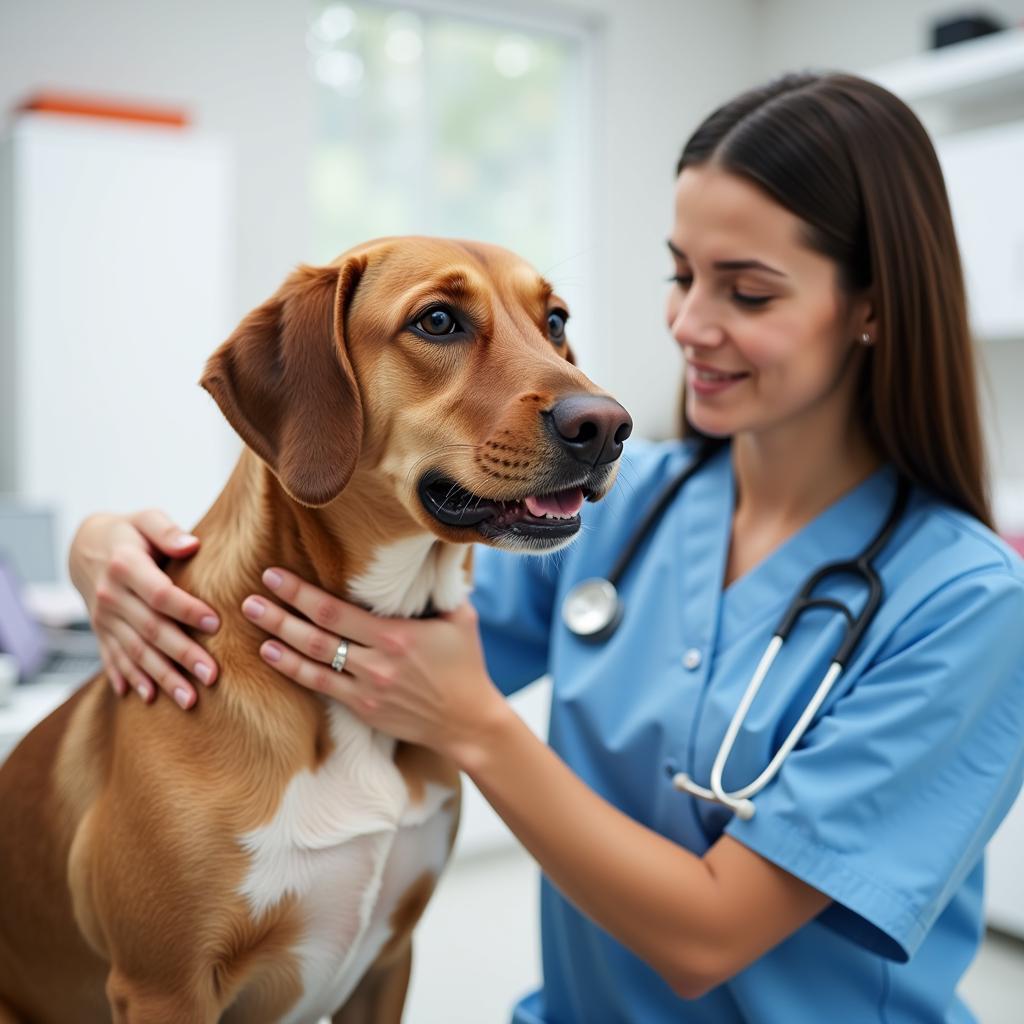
(885, 805)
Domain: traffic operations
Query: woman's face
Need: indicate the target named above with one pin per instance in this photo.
(768, 335)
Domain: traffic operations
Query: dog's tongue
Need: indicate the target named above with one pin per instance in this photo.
(564, 503)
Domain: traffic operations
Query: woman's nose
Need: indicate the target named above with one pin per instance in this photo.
(692, 323)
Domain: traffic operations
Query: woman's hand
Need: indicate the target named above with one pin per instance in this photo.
(421, 680)
(135, 608)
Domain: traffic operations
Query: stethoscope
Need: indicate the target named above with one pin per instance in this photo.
(593, 610)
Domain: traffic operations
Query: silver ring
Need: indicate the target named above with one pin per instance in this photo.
(340, 656)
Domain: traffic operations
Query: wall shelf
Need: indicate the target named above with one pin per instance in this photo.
(984, 69)
(970, 96)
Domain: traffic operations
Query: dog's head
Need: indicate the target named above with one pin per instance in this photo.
(441, 365)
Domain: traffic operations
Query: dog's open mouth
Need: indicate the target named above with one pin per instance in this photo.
(538, 519)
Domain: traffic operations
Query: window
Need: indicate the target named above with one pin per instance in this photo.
(438, 124)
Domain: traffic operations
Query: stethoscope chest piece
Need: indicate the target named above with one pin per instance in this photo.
(592, 609)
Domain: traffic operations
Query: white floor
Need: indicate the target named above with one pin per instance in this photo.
(477, 950)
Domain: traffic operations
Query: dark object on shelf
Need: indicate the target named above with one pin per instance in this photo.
(960, 29)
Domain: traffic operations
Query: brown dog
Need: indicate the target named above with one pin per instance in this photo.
(264, 857)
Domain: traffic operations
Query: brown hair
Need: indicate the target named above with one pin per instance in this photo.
(857, 166)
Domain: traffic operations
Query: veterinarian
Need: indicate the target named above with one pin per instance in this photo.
(817, 298)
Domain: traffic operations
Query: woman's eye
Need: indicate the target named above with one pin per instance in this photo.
(751, 300)
(438, 322)
(556, 325)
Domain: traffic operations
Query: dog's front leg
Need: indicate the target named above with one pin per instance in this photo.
(380, 996)
(134, 1003)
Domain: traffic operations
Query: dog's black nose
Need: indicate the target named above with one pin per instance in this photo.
(591, 428)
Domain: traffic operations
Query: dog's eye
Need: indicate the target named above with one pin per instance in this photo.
(556, 325)
(438, 322)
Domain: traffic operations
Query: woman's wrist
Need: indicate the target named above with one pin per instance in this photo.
(82, 558)
(474, 748)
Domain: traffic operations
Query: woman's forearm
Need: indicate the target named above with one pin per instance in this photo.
(648, 893)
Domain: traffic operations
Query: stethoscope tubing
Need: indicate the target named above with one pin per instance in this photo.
(739, 799)
(655, 512)
(608, 611)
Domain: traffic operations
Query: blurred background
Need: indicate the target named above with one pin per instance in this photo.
(164, 165)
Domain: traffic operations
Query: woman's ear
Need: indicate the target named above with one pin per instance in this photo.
(284, 381)
(863, 318)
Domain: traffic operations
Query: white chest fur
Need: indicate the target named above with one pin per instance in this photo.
(407, 576)
(345, 841)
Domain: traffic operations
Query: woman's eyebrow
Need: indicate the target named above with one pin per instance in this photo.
(728, 264)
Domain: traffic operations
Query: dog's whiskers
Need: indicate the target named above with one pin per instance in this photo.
(435, 453)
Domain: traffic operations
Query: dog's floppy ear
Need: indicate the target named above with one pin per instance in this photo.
(284, 381)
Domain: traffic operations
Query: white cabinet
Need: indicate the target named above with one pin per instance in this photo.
(984, 172)
(115, 285)
(971, 99)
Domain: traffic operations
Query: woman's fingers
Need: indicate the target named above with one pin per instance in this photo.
(132, 674)
(137, 572)
(319, 678)
(149, 664)
(117, 681)
(164, 634)
(306, 653)
(164, 534)
(327, 611)
(303, 636)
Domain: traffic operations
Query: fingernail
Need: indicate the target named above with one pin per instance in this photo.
(209, 623)
(253, 607)
(271, 652)
(182, 696)
(144, 691)
(203, 672)
(273, 579)
(185, 538)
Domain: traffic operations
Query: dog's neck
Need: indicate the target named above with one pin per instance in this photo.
(412, 577)
(363, 546)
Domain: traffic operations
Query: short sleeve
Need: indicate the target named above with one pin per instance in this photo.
(514, 595)
(887, 803)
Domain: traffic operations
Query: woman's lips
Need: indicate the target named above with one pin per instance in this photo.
(706, 381)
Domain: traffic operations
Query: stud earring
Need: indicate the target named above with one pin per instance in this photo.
(865, 339)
